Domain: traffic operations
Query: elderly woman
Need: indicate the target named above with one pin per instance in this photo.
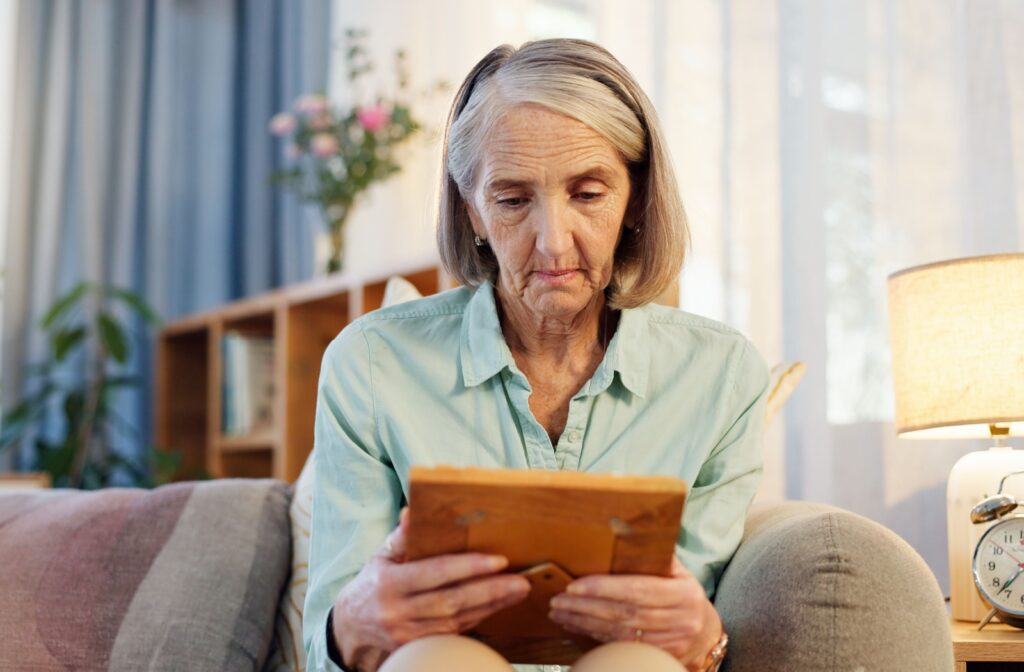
(561, 217)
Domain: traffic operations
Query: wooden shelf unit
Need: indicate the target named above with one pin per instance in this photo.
(302, 320)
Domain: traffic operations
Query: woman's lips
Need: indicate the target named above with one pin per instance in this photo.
(556, 277)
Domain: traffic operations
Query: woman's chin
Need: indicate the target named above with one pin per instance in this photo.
(560, 302)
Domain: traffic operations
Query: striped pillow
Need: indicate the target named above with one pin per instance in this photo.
(184, 577)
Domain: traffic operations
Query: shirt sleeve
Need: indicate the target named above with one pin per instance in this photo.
(357, 494)
(720, 496)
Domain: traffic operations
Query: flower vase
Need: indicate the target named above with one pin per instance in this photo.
(331, 252)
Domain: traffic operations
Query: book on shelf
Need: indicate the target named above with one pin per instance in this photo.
(248, 384)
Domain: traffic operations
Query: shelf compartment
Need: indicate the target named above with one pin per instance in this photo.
(259, 440)
(183, 367)
(252, 463)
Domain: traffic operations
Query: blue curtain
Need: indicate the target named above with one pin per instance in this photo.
(141, 159)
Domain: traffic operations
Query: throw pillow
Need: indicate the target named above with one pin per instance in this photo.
(784, 379)
(184, 577)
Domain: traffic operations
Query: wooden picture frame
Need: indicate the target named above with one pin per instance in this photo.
(580, 523)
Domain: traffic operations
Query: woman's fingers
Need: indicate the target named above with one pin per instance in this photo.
(624, 613)
(469, 618)
(394, 546)
(648, 591)
(598, 628)
(432, 573)
(469, 595)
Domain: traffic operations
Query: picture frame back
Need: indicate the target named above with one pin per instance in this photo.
(553, 526)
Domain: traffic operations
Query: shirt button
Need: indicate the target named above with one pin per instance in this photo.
(574, 436)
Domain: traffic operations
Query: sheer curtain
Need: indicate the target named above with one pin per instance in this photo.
(824, 146)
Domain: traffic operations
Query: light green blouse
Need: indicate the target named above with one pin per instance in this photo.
(433, 382)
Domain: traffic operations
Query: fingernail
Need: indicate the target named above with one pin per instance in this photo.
(555, 615)
(497, 562)
(574, 589)
(557, 602)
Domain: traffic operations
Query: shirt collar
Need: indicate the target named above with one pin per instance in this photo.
(484, 353)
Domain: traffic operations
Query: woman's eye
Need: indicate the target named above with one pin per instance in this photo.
(514, 202)
(589, 195)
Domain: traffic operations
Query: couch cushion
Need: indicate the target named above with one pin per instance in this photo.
(287, 653)
(818, 589)
(186, 576)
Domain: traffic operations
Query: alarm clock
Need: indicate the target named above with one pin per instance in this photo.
(998, 562)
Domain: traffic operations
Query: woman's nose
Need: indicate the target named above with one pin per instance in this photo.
(554, 235)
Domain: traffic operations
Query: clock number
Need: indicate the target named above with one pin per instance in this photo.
(1008, 538)
(995, 581)
(996, 550)
(1009, 593)
(991, 566)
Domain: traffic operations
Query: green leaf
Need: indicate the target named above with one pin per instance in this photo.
(57, 459)
(63, 340)
(17, 424)
(24, 415)
(113, 337)
(165, 465)
(74, 405)
(137, 303)
(63, 304)
(121, 381)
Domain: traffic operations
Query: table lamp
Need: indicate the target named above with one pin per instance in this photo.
(957, 335)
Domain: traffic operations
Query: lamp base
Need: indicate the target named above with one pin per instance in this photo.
(975, 476)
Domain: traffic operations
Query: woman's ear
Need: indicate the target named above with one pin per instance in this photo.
(474, 220)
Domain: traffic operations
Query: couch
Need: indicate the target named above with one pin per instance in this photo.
(189, 577)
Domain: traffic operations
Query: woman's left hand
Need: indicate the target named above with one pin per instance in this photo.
(672, 613)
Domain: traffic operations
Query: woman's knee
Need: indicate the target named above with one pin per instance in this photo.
(445, 653)
(454, 653)
(627, 656)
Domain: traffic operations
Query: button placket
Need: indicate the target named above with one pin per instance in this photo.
(570, 444)
(539, 453)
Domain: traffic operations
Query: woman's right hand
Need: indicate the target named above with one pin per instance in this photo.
(391, 601)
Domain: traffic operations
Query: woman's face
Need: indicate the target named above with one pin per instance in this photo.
(550, 199)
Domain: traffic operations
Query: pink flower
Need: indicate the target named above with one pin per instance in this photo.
(282, 124)
(293, 151)
(323, 145)
(313, 105)
(321, 122)
(373, 118)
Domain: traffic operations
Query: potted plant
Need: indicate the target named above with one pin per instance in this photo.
(89, 350)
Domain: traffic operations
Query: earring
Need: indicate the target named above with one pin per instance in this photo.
(480, 242)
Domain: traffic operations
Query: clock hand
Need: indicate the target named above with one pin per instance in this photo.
(1015, 558)
(1013, 578)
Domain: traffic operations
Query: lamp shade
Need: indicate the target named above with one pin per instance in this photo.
(957, 335)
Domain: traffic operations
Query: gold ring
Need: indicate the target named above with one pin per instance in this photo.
(639, 635)
(389, 547)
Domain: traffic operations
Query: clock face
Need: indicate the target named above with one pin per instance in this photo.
(999, 565)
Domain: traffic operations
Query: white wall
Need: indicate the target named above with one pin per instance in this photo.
(393, 226)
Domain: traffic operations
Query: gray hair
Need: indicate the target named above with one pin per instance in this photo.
(583, 81)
